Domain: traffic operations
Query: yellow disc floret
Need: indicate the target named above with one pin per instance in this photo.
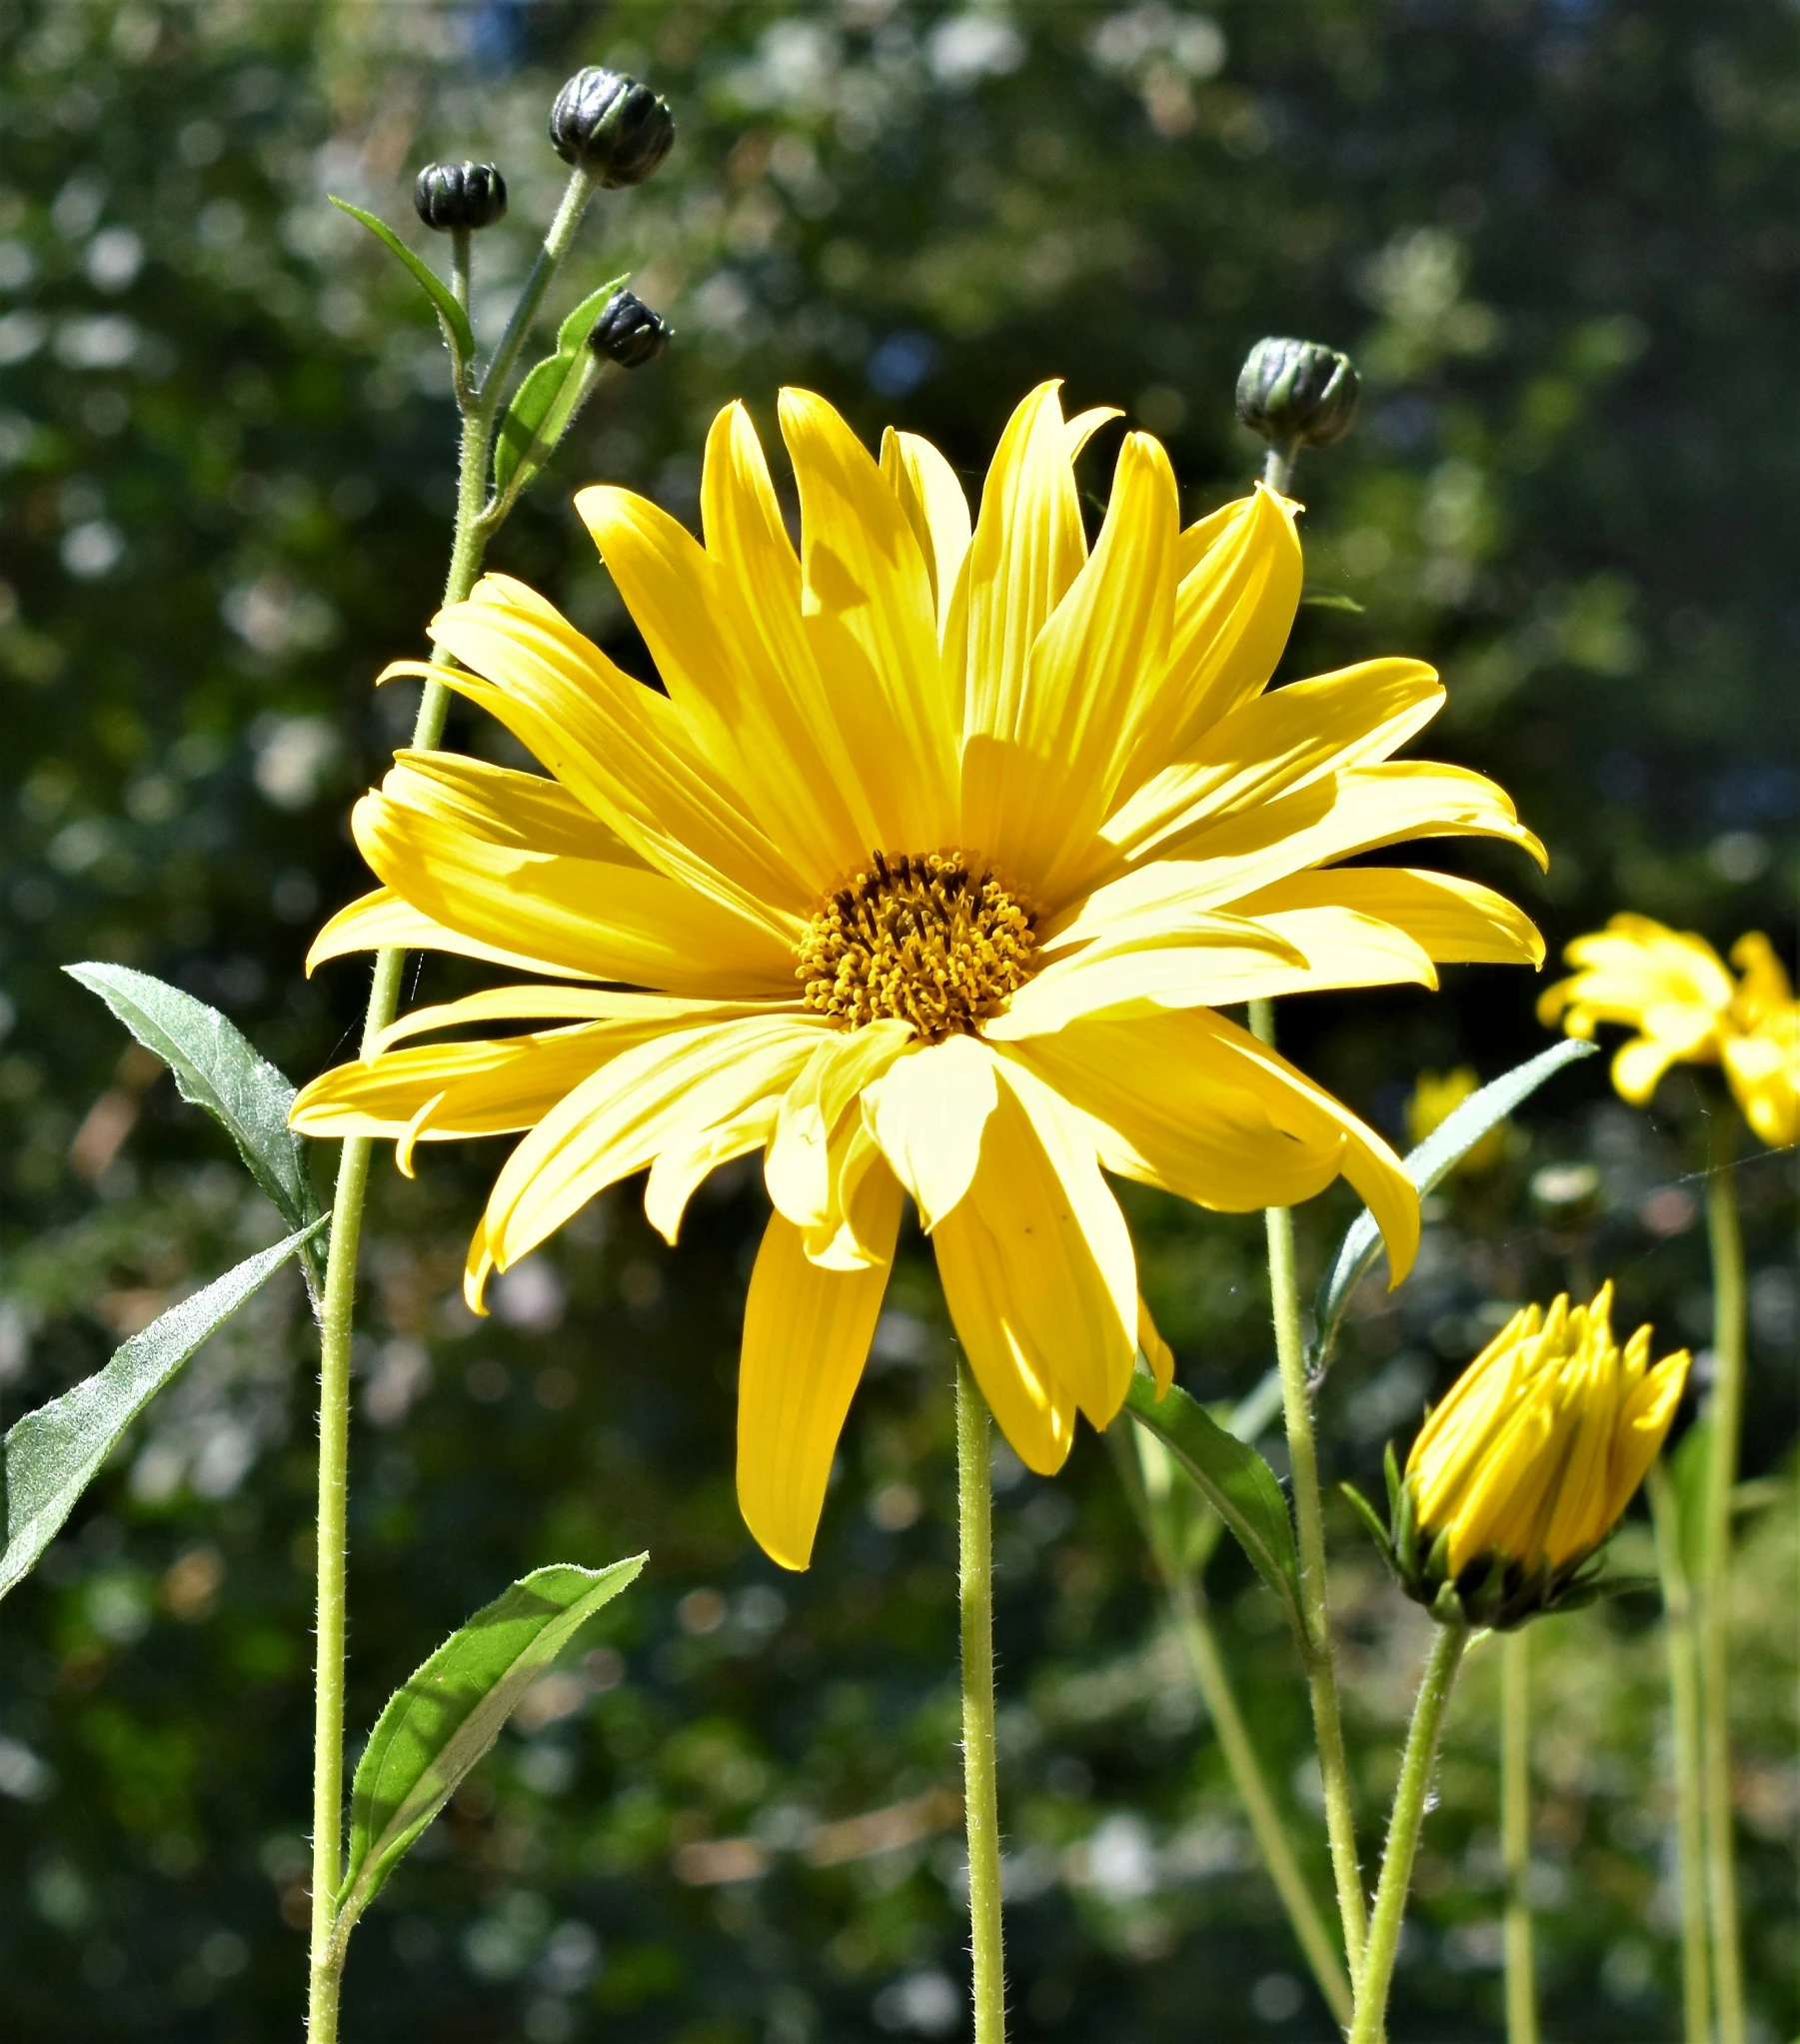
(931, 939)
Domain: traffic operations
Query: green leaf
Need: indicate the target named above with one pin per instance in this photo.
(451, 315)
(217, 1068)
(1690, 1479)
(1234, 1478)
(441, 1723)
(1330, 600)
(554, 390)
(1426, 1166)
(54, 1453)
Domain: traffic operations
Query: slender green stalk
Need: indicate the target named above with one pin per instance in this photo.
(1684, 1712)
(460, 243)
(557, 243)
(1726, 1242)
(1309, 1524)
(1515, 1833)
(1410, 1798)
(1267, 1825)
(1277, 466)
(980, 1779)
(339, 1313)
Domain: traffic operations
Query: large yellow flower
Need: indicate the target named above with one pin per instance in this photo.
(1676, 992)
(934, 864)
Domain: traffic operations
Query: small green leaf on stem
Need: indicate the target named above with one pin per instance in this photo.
(54, 1453)
(1427, 1167)
(451, 315)
(546, 402)
(216, 1067)
(1234, 1478)
(447, 1716)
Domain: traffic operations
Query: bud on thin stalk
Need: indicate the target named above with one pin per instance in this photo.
(460, 197)
(1295, 394)
(608, 125)
(628, 333)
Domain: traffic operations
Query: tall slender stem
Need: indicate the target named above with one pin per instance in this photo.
(1726, 1242)
(1309, 1524)
(1403, 1832)
(468, 546)
(1277, 466)
(981, 1782)
(1267, 1825)
(1684, 1713)
(1515, 1833)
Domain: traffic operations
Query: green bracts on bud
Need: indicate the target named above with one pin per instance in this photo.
(1297, 393)
(459, 197)
(628, 333)
(611, 127)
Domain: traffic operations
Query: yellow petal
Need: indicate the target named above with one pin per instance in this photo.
(1156, 1351)
(1240, 575)
(528, 811)
(383, 919)
(798, 1170)
(936, 509)
(1455, 922)
(858, 1176)
(1038, 788)
(866, 606)
(693, 1156)
(607, 921)
(1028, 549)
(806, 1338)
(583, 1004)
(928, 1114)
(1638, 1067)
(617, 1122)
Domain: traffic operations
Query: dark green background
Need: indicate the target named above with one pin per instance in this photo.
(1562, 242)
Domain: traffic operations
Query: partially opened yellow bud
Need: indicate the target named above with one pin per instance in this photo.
(1520, 1475)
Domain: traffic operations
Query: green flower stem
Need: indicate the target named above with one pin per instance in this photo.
(1266, 1826)
(1726, 1242)
(1277, 466)
(1310, 1523)
(1684, 1712)
(461, 242)
(1410, 1798)
(1515, 1833)
(981, 1788)
(468, 547)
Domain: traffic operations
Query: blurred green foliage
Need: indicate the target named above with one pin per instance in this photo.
(1559, 238)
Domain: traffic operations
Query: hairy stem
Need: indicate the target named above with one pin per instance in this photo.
(1726, 1243)
(1410, 1798)
(1515, 1833)
(1309, 1527)
(980, 1793)
(1684, 1713)
(468, 547)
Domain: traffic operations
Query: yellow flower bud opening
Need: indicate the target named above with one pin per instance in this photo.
(1533, 1458)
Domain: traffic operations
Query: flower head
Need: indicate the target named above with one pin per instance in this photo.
(1677, 992)
(925, 879)
(1520, 1475)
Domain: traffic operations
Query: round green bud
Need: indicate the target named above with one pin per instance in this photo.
(628, 332)
(610, 126)
(1297, 393)
(449, 196)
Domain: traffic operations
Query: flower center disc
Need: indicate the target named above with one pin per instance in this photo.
(930, 938)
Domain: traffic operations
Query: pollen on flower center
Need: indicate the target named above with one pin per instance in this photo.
(931, 939)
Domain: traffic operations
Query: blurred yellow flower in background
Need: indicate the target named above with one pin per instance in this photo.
(1677, 992)
(1526, 1466)
(1435, 1098)
(932, 866)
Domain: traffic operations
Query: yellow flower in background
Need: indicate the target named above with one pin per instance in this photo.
(1677, 992)
(925, 879)
(1435, 1098)
(1527, 1465)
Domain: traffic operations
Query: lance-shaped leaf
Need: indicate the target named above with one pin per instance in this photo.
(216, 1067)
(1234, 1478)
(54, 1453)
(451, 317)
(544, 404)
(437, 1728)
(1454, 1136)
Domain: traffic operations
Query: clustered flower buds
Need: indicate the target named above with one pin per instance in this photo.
(610, 126)
(628, 332)
(451, 196)
(1518, 1477)
(1297, 393)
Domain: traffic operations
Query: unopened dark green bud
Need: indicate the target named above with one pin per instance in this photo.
(449, 196)
(610, 126)
(1297, 393)
(628, 332)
